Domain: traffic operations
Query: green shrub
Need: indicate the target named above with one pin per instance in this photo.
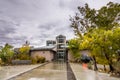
(1, 62)
(34, 61)
(40, 59)
(23, 56)
(89, 65)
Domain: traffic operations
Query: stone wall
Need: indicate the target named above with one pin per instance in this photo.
(49, 55)
(70, 57)
(18, 62)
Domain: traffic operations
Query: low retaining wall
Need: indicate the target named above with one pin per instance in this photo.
(17, 62)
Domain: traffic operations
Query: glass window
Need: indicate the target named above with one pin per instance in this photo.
(61, 46)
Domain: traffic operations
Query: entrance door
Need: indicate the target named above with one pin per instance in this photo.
(61, 55)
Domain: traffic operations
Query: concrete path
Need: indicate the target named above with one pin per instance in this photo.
(7, 72)
(51, 71)
(82, 73)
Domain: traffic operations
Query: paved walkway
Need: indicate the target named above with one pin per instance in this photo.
(51, 71)
(8, 72)
(82, 73)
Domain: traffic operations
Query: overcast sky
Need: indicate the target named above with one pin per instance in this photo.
(39, 20)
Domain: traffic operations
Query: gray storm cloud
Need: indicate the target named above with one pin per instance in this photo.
(38, 20)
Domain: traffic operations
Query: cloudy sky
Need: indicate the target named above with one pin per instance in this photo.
(39, 20)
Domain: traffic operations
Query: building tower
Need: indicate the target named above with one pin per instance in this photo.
(61, 49)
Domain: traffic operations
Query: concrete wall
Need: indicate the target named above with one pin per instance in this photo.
(70, 57)
(85, 52)
(49, 55)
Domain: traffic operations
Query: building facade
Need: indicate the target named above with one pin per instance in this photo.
(54, 50)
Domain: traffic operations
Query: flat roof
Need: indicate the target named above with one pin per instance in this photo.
(43, 48)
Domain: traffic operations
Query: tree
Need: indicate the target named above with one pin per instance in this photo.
(74, 48)
(87, 18)
(7, 53)
(101, 46)
(116, 42)
(24, 52)
(96, 29)
(104, 48)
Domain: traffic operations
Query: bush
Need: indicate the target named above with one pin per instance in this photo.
(1, 62)
(89, 65)
(34, 61)
(23, 56)
(38, 59)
